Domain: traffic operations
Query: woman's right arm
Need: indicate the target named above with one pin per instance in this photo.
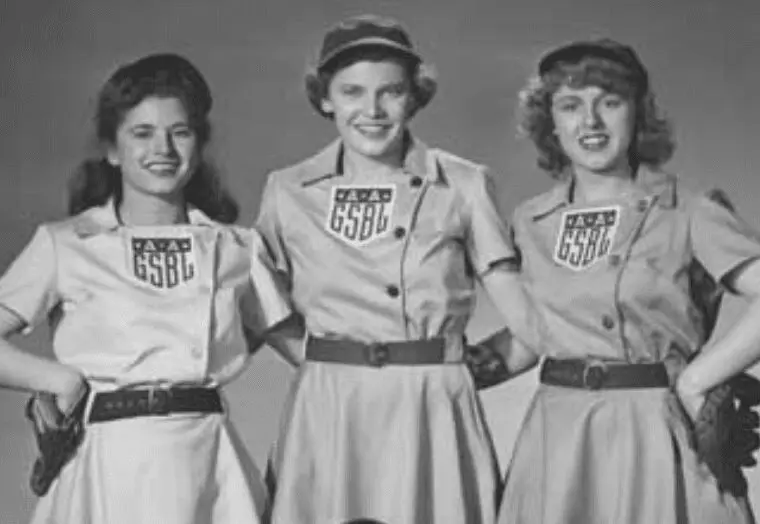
(21, 370)
(28, 291)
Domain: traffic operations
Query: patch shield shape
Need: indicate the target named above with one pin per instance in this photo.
(359, 215)
(163, 262)
(586, 236)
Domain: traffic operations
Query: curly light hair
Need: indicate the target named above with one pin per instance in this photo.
(653, 144)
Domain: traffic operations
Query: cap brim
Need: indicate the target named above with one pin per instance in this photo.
(574, 52)
(373, 41)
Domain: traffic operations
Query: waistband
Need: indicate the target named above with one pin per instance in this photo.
(155, 401)
(592, 374)
(379, 354)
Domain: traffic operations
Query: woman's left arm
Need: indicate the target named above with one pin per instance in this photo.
(510, 298)
(733, 353)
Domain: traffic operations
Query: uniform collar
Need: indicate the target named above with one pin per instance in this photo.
(102, 219)
(419, 160)
(650, 184)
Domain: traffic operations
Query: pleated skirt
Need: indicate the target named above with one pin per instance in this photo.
(402, 445)
(179, 469)
(611, 457)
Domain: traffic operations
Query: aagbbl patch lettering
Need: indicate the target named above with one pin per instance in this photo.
(163, 262)
(360, 214)
(585, 236)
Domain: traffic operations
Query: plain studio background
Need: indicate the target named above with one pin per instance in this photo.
(703, 56)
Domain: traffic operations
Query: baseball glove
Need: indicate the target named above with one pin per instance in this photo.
(486, 365)
(58, 436)
(725, 432)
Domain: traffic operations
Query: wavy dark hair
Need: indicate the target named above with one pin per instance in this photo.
(653, 144)
(96, 181)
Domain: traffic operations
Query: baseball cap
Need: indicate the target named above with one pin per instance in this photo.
(365, 30)
(602, 48)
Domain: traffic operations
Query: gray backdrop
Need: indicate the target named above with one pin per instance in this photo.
(54, 55)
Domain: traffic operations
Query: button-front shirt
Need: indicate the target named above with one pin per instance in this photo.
(384, 259)
(624, 279)
(129, 305)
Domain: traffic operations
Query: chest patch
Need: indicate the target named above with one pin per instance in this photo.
(165, 262)
(586, 236)
(359, 215)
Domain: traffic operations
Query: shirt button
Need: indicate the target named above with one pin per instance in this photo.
(196, 352)
(608, 322)
(415, 181)
(642, 206)
(399, 232)
(614, 260)
(392, 291)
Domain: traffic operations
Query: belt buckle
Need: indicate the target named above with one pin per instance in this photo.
(593, 375)
(378, 354)
(158, 400)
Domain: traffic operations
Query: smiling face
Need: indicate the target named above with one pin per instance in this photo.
(371, 102)
(156, 148)
(594, 127)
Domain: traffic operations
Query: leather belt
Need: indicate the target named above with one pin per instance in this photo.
(128, 403)
(402, 353)
(590, 374)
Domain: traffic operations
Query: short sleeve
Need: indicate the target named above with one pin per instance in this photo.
(489, 240)
(29, 286)
(269, 226)
(721, 240)
(267, 303)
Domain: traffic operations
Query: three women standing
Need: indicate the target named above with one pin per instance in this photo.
(380, 241)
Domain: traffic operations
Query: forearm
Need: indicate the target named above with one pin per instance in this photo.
(738, 350)
(287, 339)
(26, 372)
(521, 359)
(515, 306)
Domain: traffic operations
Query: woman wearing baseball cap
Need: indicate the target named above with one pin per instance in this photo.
(626, 266)
(381, 240)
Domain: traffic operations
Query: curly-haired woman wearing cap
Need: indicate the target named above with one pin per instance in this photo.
(622, 261)
(381, 240)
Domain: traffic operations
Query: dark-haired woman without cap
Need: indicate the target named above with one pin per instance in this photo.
(155, 302)
(622, 259)
(381, 240)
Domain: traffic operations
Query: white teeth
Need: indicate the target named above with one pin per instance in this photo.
(162, 169)
(594, 140)
(372, 131)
